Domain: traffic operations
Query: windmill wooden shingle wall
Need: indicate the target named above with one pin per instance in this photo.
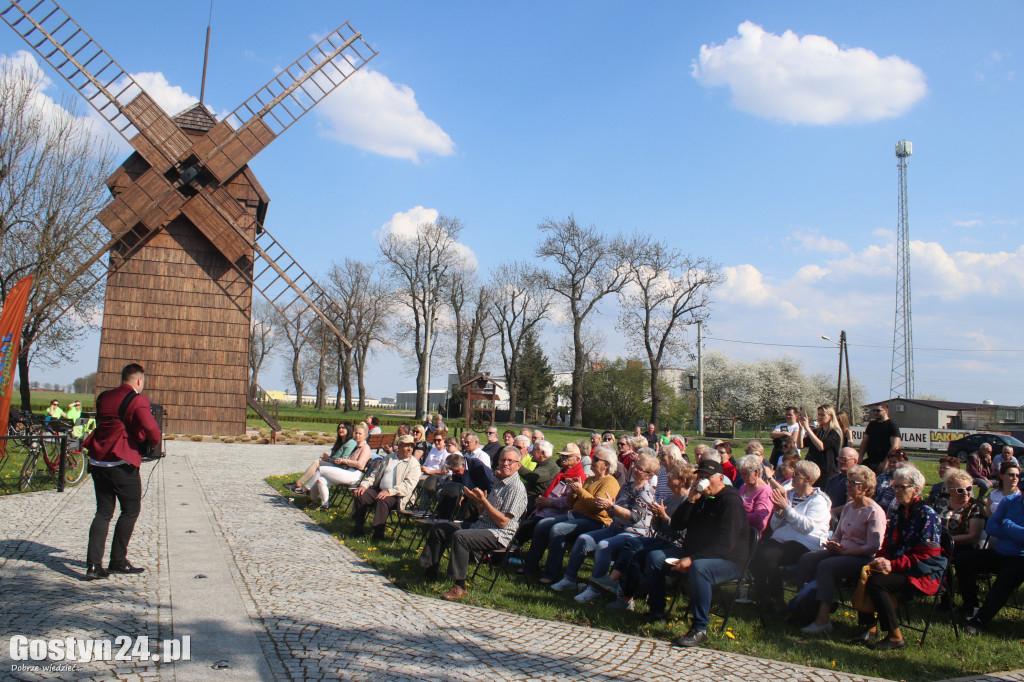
(178, 308)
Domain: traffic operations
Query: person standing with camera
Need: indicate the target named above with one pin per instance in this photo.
(125, 425)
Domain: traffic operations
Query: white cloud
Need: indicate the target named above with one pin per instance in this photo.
(25, 62)
(406, 223)
(371, 113)
(171, 98)
(812, 240)
(808, 80)
(967, 223)
(745, 284)
(812, 273)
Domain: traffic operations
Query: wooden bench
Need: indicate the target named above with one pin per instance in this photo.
(379, 441)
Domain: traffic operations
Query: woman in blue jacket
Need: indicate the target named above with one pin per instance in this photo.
(1005, 561)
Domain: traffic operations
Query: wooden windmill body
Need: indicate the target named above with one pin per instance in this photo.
(185, 233)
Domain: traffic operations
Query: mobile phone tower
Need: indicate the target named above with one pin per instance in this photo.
(901, 379)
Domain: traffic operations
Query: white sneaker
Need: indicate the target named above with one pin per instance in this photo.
(588, 595)
(564, 585)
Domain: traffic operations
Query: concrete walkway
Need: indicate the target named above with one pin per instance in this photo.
(263, 593)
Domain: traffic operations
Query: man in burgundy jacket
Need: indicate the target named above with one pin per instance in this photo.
(114, 462)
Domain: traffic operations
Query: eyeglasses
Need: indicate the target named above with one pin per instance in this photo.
(623, 445)
(899, 487)
(960, 491)
(855, 484)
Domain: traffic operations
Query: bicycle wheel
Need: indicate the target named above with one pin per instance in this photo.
(74, 467)
(28, 469)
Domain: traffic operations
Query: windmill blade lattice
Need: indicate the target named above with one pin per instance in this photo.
(107, 87)
(283, 101)
(289, 288)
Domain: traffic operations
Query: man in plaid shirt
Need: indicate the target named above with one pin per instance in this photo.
(500, 510)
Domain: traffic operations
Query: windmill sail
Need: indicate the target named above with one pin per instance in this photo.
(283, 101)
(107, 87)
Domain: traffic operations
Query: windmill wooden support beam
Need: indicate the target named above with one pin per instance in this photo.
(187, 246)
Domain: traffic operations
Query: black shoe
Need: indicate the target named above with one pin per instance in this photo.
(95, 572)
(692, 638)
(291, 486)
(125, 568)
(378, 533)
(888, 644)
(358, 531)
(973, 627)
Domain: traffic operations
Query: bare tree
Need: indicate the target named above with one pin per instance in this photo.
(586, 269)
(370, 317)
(420, 264)
(346, 282)
(263, 339)
(666, 292)
(472, 328)
(51, 187)
(293, 323)
(521, 302)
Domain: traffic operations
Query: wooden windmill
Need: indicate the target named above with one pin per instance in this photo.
(186, 240)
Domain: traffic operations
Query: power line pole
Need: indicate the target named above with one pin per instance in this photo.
(901, 379)
(700, 378)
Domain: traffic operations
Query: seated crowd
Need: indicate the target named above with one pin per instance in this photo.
(655, 522)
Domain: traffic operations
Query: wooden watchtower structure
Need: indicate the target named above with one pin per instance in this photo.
(184, 232)
(480, 395)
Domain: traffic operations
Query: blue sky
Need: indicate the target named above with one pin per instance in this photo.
(757, 134)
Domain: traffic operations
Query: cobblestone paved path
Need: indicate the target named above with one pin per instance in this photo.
(281, 599)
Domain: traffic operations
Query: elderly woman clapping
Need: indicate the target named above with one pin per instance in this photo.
(911, 556)
(799, 525)
(756, 493)
(856, 540)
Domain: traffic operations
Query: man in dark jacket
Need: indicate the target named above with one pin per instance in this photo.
(125, 422)
(714, 551)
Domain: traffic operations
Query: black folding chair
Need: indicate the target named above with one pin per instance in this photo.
(346, 502)
(447, 507)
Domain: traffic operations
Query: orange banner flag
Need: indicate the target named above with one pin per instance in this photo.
(12, 319)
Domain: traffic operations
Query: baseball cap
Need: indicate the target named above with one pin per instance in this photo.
(709, 467)
(406, 438)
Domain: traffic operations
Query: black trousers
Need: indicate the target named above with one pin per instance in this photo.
(381, 508)
(464, 541)
(880, 588)
(772, 558)
(123, 484)
(1009, 572)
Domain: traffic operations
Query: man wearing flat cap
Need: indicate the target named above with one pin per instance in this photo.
(391, 487)
(714, 550)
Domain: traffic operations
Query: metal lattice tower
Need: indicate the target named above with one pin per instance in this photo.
(901, 380)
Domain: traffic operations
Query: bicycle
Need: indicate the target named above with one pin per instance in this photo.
(49, 449)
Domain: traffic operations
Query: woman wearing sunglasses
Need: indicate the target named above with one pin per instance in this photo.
(1009, 477)
(964, 517)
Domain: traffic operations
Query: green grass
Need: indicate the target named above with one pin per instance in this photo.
(942, 657)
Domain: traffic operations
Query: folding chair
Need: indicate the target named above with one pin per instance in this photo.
(347, 501)
(945, 589)
(447, 507)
